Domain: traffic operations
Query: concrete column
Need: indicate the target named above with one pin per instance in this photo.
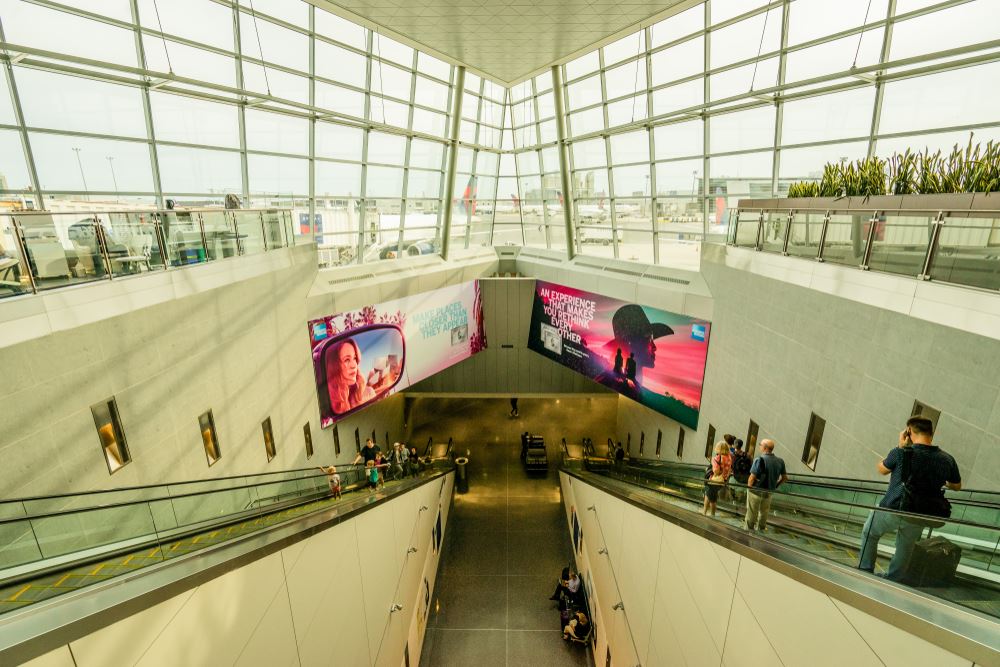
(557, 90)
(456, 126)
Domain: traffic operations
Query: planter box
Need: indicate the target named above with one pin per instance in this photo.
(955, 202)
(986, 201)
(955, 205)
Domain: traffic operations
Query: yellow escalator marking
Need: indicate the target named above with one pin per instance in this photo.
(153, 552)
(59, 583)
(97, 569)
(128, 560)
(18, 594)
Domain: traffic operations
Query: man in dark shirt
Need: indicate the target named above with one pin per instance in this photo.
(766, 474)
(928, 464)
(368, 452)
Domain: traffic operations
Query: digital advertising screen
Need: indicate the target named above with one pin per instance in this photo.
(650, 355)
(362, 356)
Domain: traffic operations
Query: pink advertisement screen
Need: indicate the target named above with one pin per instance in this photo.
(650, 355)
(362, 356)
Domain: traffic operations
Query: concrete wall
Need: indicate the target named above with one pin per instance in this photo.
(236, 344)
(507, 366)
(781, 351)
(322, 601)
(690, 602)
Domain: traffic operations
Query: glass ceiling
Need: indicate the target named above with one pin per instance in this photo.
(124, 104)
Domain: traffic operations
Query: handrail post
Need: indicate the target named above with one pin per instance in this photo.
(161, 239)
(263, 229)
(932, 247)
(867, 257)
(822, 236)
(204, 239)
(236, 231)
(102, 245)
(22, 246)
(788, 232)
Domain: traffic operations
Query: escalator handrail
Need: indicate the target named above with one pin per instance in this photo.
(920, 517)
(139, 501)
(804, 480)
(4, 501)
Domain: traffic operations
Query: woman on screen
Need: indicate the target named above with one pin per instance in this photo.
(344, 379)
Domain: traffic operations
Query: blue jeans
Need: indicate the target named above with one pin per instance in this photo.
(881, 522)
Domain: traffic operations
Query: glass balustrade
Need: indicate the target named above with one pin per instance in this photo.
(805, 233)
(61, 248)
(220, 234)
(957, 248)
(772, 237)
(14, 279)
(133, 243)
(250, 231)
(968, 252)
(50, 545)
(747, 227)
(899, 243)
(846, 238)
(42, 250)
(830, 522)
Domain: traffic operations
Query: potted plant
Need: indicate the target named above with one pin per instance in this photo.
(966, 179)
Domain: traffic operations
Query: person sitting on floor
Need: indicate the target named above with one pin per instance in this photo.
(561, 585)
(578, 627)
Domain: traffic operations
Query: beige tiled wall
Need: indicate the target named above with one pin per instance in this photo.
(690, 602)
(322, 601)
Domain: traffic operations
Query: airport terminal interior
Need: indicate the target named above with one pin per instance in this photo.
(500, 332)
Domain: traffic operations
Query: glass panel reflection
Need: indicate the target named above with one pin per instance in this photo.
(803, 237)
(847, 238)
(899, 244)
(968, 252)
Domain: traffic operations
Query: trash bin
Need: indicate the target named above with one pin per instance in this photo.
(461, 475)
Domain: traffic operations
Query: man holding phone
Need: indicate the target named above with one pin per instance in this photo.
(928, 469)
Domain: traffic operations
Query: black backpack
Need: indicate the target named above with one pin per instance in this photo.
(917, 500)
(741, 467)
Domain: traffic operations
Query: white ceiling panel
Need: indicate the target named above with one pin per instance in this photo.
(505, 39)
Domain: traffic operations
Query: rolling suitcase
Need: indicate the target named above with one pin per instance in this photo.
(933, 562)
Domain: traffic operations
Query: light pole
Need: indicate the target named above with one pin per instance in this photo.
(83, 177)
(111, 163)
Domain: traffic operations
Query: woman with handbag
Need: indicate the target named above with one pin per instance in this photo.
(717, 476)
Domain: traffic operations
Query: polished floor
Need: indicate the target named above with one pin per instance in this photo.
(507, 538)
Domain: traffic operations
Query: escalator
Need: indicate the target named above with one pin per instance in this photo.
(824, 517)
(60, 544)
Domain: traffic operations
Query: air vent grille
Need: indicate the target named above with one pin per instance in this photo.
(599, 267)
(667, 279)
(638, 274)
(352, 279)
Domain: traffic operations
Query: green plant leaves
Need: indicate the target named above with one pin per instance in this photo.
(974, 168)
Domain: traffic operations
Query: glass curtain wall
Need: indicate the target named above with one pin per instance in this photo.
(481, 131)
(125, 104)
(128, 103)
(670, 126)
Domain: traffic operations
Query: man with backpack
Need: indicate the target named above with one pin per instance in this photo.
(919, 471)
(767, 473)
(741, 466)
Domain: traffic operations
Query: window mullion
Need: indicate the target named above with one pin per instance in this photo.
(879, 84)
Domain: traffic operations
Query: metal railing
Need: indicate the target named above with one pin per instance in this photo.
(957, 247)
(45, 250)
